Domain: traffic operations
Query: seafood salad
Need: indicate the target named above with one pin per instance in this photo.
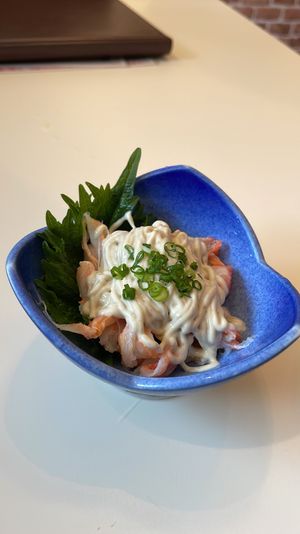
(153, 295)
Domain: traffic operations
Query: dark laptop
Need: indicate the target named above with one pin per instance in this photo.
(39, 30)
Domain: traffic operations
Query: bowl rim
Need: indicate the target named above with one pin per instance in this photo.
(132, 382)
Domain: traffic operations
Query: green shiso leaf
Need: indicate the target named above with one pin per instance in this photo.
(62, 249)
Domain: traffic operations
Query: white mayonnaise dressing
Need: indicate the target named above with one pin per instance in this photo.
(191, 327)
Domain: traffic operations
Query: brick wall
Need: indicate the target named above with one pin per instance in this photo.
(281, 18)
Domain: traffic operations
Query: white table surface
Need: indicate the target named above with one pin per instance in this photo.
(76, 455)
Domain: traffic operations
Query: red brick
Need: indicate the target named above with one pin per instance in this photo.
(242, 3)
(262, 25)
(267, 13)
(255, 2)
(279, 29)
(279, 17)
(284, 2)
(294, 42)
(292, 14)
(246, 11)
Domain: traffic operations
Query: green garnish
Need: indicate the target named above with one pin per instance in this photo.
(158, 292)
(61, 245)
(159, 270)
(120, 272)
(130, 251)
(139, 257)
(146, 248)
(128, 292)
(138, 271)
(173, 250)
(197, 285)
(144, 280)
(156, 261)
(144, 284)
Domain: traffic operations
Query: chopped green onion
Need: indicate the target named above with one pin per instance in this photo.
(138, 271)
(173, 250)
(130, 251)
(120, 272)
(165, 277)
(157, 268)
(144, 284)
(197, 285)
(128, 292)
(146, 248)
(184, 289)
(145, 280)
(139, 257)
(176, 270)
(156, 261)
(182, 258)
(158, 292)
(148, 276)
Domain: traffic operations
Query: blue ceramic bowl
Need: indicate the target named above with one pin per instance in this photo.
(267, 302)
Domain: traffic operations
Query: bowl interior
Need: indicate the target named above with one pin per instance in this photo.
(186, 199)
(262, 298)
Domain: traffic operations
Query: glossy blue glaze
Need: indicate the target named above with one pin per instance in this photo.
(267, 302)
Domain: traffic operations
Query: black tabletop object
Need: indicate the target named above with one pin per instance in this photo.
(39, 30)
